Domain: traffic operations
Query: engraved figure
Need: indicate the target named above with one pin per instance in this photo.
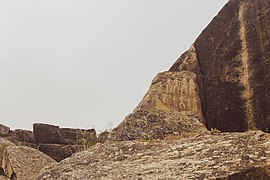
(184, 85)
(192, 86)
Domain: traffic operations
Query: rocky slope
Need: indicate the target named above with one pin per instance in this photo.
(207, 156)
(201, 119)
(223, 80)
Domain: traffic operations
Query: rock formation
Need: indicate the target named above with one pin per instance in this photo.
(234, 57)
(24, 163)
(58, 143)
(172, 105)
(217, 155)
(222, 81)
(221, 84)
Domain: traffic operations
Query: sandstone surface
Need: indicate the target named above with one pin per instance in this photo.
(24, 163)
(234, 57)
(171, 106)
(207, 156)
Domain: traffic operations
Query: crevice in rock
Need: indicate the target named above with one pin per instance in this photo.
(245, 80)
(202, 92)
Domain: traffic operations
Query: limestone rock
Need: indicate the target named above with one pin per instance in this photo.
(234, 57)
(24, 163)
(206, 156)
(58, 151)
(4, 130)
(171, 106)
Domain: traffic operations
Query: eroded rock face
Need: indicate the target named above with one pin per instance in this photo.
(207, 156)
(4, 130)
(234, 57)
(171, 106)
(24, 163)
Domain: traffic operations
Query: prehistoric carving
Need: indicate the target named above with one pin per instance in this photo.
(181, 94)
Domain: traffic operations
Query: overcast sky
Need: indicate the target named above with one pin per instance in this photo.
(84, 63)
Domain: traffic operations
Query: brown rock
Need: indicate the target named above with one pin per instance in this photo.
(171, 106)
(58, 151)
(102, 137)
(73, 136)
(254, 173)
(3, 144)
(50, 134)
(3, 178)
(45, 133)
(234, 58)
(24, 163)
(209, 156)
(4, 130)
(23, 136)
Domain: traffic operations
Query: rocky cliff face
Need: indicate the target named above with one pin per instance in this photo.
(234, 58)
(221, 84)
(222, 81)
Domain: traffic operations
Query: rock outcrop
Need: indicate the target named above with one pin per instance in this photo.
(234, 58)
(171, 106)
(222, 81)
(24, 163)
(216, 155)
(4, 130)
(58, 143)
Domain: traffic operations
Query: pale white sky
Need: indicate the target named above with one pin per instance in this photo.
(84, 63)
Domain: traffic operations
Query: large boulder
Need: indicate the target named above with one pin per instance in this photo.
(24, 163)
(74, 136)
(234, 57)
(4, 130)
(3, 145)
(22, 135)
(46, 133)
(50, 134)
(209, 156)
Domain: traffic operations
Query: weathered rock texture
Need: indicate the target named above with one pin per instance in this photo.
(58, 151)
(4, 130)
(222, 81)
(234, 58)
(3, 145)
(24, 163)
(171, 106)
(60, 143)
(50, 134)
(207, 156)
